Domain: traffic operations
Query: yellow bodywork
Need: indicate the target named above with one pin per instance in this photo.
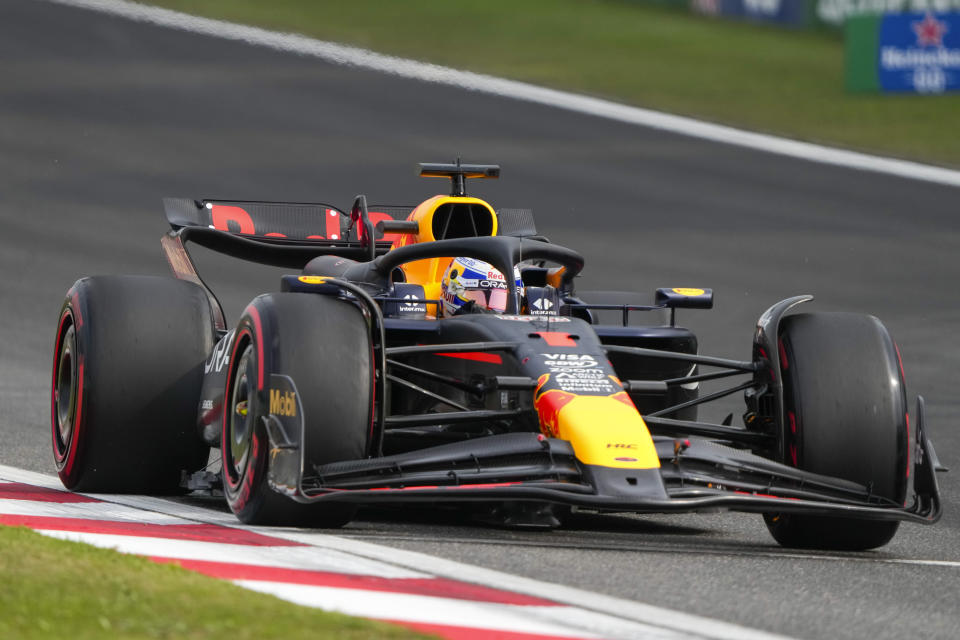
(604, 430)
(607, 432)
(429, 272)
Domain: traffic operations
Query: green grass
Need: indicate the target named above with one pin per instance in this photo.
(762, 78)
(53, 589)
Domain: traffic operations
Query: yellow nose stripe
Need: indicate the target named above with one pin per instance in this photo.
(606, 431)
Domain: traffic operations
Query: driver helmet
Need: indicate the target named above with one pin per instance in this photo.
(474, 285)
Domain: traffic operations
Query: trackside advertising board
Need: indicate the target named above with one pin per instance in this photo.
(792, 13)
(836, 12)
(904, 53)
(806, 14)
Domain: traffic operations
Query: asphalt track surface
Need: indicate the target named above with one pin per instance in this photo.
(101, 117)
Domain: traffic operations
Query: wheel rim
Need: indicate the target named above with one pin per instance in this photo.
(241, 419)
(65, 389)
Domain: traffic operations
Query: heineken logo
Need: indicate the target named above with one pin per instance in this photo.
(896, 58)
(930, 31)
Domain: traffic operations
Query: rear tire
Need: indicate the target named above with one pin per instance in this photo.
(845, 410)
(323, 345)
(127, 371)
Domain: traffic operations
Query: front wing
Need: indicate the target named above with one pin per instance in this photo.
(695, 474)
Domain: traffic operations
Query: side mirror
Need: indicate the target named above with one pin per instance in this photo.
(684, 298)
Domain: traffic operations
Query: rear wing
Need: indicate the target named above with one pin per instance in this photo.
(288, 234)
(271, 229)
(283, 234)
(279, 234)
(296, 221)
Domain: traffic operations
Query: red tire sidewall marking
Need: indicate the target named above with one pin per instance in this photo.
(247, 484)
(66, 459)
(64, 316)
(228, 467)
(254, 317)
(791, 430)
(240, 492)
(906, 411)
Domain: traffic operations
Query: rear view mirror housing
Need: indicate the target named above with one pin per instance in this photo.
(684, 298)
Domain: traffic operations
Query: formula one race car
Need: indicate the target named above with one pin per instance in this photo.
(440, 353)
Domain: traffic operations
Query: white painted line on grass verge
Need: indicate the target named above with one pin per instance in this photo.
(303, 558)
(362, 58)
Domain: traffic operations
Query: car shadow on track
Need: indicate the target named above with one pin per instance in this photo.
(452, 522)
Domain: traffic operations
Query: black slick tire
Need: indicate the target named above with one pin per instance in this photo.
(323, 345)
(127, 370)
(846, 416)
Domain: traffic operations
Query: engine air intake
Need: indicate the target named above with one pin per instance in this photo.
(461, 220)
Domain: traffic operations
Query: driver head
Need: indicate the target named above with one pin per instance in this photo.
(471, 285)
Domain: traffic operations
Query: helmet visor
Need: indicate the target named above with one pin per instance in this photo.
(497, 300)
(493, 299)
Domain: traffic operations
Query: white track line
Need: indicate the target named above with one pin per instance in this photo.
(362, 58)
(617, 616)
(95, 510)
(434, 610)
(303, 558)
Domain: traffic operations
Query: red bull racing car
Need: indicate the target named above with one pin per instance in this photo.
(440, 353)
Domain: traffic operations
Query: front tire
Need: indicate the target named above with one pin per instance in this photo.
(322, 344)
(845, 411)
